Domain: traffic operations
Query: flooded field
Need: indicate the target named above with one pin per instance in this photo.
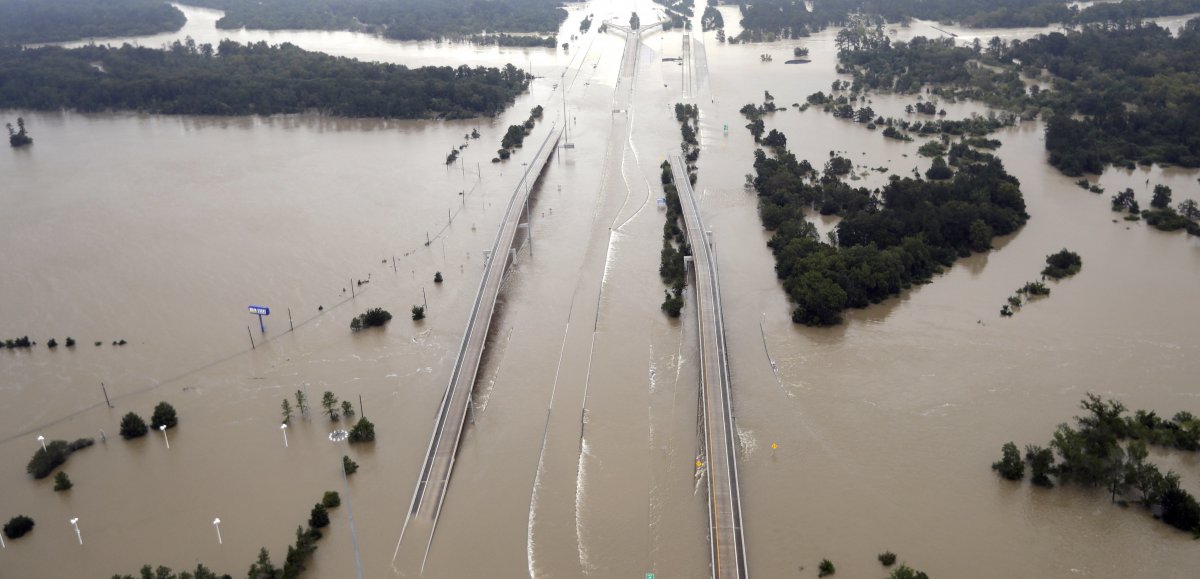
(579, 459)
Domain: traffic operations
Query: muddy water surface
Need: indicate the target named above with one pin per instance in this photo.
(161, 230)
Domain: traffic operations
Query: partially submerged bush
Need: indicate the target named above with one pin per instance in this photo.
(18, 526)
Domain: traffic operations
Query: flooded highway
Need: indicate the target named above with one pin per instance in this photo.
(578, 458)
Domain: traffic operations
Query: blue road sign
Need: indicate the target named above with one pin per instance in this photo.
(260, 311)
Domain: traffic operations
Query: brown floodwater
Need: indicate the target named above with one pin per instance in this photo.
(161, 230)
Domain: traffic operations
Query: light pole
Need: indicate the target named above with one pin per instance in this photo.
(337, 436)
(163, 428)
(42, 439)
(217, 524)
(283, 427)
(75, 523)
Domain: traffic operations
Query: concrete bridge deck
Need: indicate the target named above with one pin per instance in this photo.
(728, 547)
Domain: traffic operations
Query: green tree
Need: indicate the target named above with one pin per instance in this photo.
(981, 235)
(286, 410)
(1065, 263)
(319, 517)
(437, 277)
(347, 409)
(418, 313)
(349, 466)
(1179, 508)
(1010, 465)
(1041, 464)
(887, 558)
(1190, 209)
(1162, 197)
(17, 526)
(164, 415)
(939, 170)
(329, 403)
(263, 568)
(825, 568)
(62, 482)
(331, 500)
(906, 572)
(132, 426)
(819, 300)
(302, 403)
(363, 431)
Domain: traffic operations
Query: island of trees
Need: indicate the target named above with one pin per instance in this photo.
(1107, 449)
(23, 21)
(887, 239)
(243, 79)
(401, 20)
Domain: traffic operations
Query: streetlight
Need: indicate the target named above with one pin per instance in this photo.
(75, 523)
(283, 427)
(42, 439)
(163, 428)
(217, 524)
(335, 437)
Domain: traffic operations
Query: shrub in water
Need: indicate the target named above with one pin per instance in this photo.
(331, 499)
(18, 526)
(132, 426)
(164, 414)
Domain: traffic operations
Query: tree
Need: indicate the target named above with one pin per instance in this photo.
(906, 572)
(981, 235)
(331, 499)
(62, 482)
(164, 415)
(349, 466)
(132, 426)
(263, 568)
(1162, 197)
(18, 138)
(887, 558)
(286, 410)
(363, 431)
(1041, 464)
(1065, 263)
(1190, 209)
(825, 568)
(329, 403)
(939, 170)
(18, 526)
(1123, 200)
(437, 277)
(302, 403)
(1179, 508)
(1010, 466)
(418, 313)
(319, 517)
(347, 409)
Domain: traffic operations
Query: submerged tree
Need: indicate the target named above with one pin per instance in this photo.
(18, 137)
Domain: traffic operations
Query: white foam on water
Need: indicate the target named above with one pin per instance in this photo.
(747, 444)
(580, 487)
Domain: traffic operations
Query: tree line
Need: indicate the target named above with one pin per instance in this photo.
(23, 21)
(887, 240)
(772, 19)
(244, 79)
(397, 19)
